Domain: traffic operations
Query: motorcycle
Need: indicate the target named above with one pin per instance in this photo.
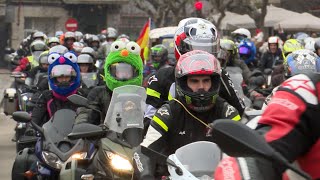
(194, 161)
(52, 148)
(229, 134)
(114, 140)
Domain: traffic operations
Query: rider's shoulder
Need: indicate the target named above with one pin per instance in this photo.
(303, 86)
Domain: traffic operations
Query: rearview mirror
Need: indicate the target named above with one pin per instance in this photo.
(21, 116)
(78, 100)
(86, 130)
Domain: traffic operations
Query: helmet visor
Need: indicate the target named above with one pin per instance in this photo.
(62, 70)
(123, 71)
(199, 64)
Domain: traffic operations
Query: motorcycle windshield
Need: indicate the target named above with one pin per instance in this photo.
(126, 108)
(60, 125)
(235, 74)
(199, 158)
(89, 79)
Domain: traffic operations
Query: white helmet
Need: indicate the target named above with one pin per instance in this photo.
(112, 32)
(309, 43)
(242, 31)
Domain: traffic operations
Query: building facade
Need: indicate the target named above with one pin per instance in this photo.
(25, 16)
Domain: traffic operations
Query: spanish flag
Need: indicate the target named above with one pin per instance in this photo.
(143, 40)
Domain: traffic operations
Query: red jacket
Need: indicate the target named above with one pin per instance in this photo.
(291, 124)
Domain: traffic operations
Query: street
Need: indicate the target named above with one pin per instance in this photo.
(7, 147)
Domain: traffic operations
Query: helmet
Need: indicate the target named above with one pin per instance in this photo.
(112, 33)
(123, 36)
(43, 58)
(63, 66)
(86, 59)
(94, 38)
(196, 33)
(241, 34)
(38, 45)
(58, 49)
(231, 50)
(90, 51)
(69, 35)
(309, 43)
(289, 46)
(301, 61)
(78, 35)
(102, 38)
(78, 46)
(53, 40)
(58, 34)
(123, 65)
(39, 35)
(197, 62)
(159, 55)
(273, 40)
(247, 52)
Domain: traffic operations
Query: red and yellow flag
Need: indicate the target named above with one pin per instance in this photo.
(143, 40)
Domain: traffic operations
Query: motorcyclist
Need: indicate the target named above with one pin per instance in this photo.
(159, 59)
(104, 49)
(185, 120)
(64, 80)
(53, 41)
(298, 62)
(317, 47)
(94, 42)
(233, 58)
(273, 56)
(78, 35)
(123, 67)
(290, 125)
(289, 46)
(29, 62)
(77, 47)
(241, 34)
(192, 33)
(69, 39)
(42, 68)
(247, 52)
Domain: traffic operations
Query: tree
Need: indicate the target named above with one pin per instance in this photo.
(256, 9)
(219, 6)
(161, 11)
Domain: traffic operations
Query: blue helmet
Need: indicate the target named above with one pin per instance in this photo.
(63, 66)
(247, 51)
(301, 61)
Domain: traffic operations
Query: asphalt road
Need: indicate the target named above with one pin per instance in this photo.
(7, 147)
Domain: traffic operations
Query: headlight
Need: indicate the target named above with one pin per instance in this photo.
(119, 163)
(80, 155)
(25, 98)
(51, 159)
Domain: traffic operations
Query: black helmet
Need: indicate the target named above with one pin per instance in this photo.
(159, 55)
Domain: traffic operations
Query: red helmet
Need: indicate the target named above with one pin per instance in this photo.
(197, 62)
(196, 34)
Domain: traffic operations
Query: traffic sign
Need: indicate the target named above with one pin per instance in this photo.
(71, 24)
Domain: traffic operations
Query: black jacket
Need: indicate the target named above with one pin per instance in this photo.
(269, 60)
(46, 105)
(99, 98)
(172, 127)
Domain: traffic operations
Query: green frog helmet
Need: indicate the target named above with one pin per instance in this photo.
(123, 65)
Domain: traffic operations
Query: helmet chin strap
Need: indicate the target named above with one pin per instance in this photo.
(202, 122)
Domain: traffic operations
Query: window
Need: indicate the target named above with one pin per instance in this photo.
(46, 25)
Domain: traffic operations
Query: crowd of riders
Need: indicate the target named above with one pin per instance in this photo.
(279, 75)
